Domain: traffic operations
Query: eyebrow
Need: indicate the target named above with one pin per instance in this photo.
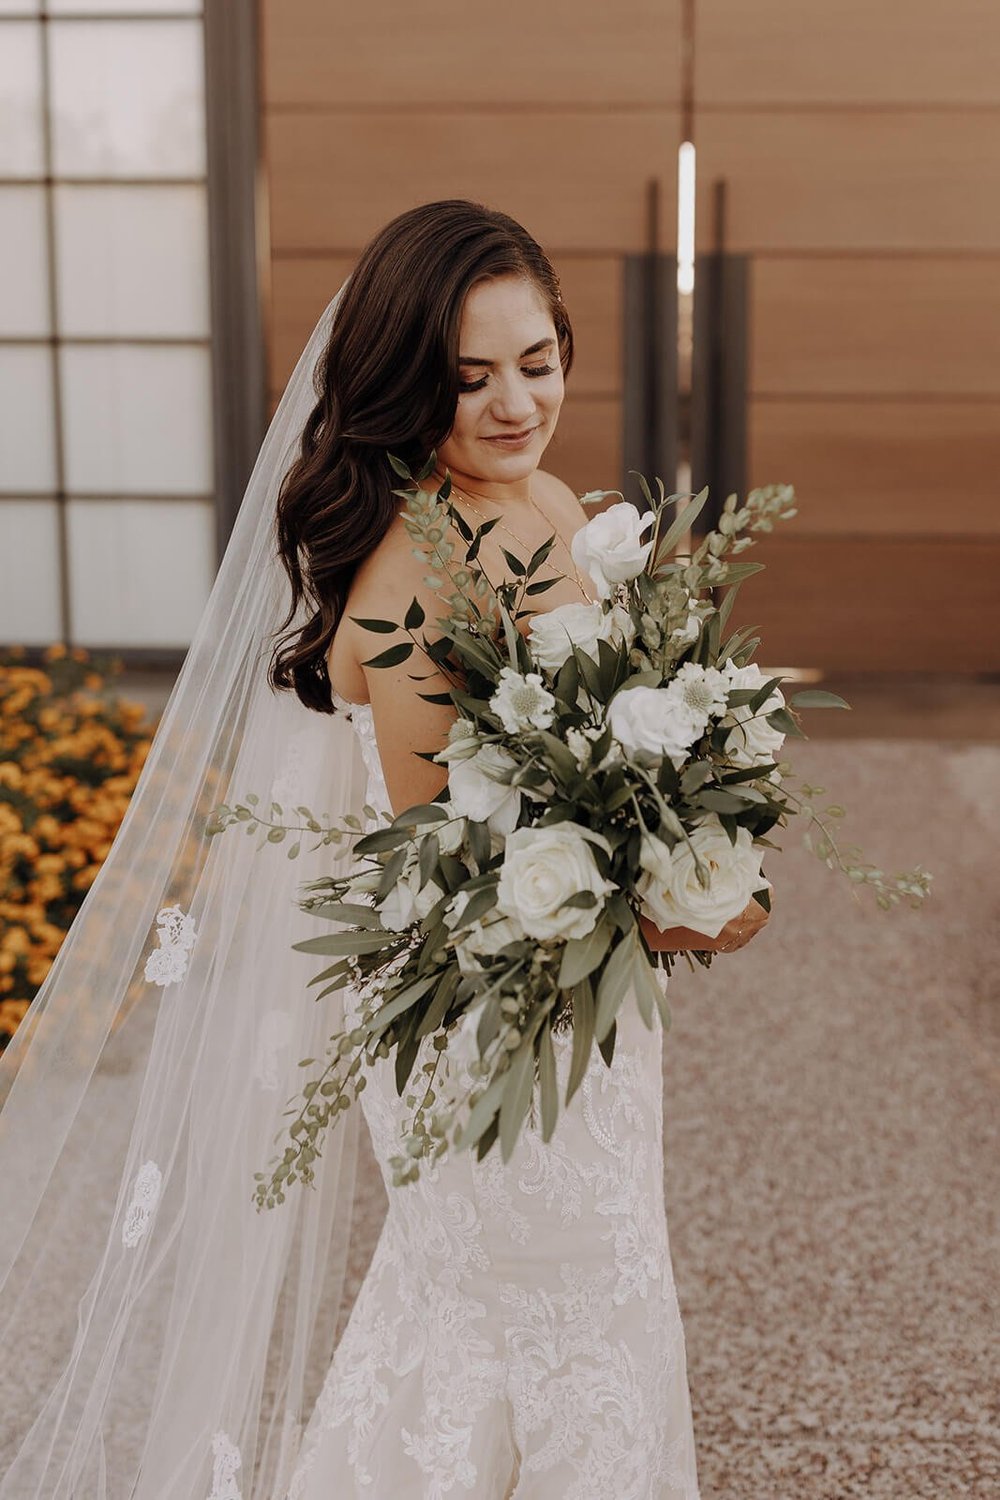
(535, 349)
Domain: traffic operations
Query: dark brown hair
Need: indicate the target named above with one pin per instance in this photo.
(386, 382)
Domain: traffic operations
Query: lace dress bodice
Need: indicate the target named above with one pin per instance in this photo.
(518, 1335)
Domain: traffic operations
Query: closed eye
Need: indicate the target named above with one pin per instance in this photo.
(532, 371)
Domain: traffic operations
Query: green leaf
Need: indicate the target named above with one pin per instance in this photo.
(764, 692)
(682, 524)
(695, 776)
(392, 657)
(399, 466)
(648, 993)
(515, 564)
(337, 943)
(581, 956)
(414, 616)
(403, 999)
(421, 813)
(548, 1082)
(583, 1035)
(381, 627)
(347, 911)
(482, 1111)
(613, 984)
(721, 801)
(517, 1096)
(817, 698)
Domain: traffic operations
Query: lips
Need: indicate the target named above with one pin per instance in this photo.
(511, 437)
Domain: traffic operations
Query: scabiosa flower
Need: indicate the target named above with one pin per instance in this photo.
(703, 689)
(522, 701)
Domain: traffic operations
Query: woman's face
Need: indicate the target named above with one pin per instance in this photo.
(511, 383)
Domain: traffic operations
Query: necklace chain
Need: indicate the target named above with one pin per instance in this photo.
(519, 540)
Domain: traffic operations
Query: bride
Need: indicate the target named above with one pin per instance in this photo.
(517, 1333)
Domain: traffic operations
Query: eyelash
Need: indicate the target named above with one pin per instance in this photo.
(534, 374)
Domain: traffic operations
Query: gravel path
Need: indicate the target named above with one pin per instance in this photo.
(832, 1118)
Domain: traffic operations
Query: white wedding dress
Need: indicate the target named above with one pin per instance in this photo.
(517, 1335)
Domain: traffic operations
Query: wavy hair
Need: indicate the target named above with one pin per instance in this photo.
(387, 381)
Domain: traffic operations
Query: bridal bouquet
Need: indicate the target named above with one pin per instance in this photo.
(609, 761)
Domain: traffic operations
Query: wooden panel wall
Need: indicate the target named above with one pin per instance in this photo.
(861, 156)
(538, 110)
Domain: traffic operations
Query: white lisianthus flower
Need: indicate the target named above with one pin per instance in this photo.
(659, 721)
(669, 888)
(542, 868)
(483, 938)
(408, 901)
(522, 701)
(477, 793)
(554, 632)
(451, 833)
(610, 548)
(704, 689)
(579, 747)
(687, 634)
(752, 742)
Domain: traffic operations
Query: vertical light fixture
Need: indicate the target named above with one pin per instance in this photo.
(685, 306)
(685, 217)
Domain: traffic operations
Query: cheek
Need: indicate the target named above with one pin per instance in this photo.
(552, 397)
(467, 415)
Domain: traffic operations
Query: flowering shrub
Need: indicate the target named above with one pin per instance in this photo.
(70, 754)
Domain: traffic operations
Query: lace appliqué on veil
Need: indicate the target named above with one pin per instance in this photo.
(168, 963)
(145, 1197)
(273, 1037)
(225, 1466)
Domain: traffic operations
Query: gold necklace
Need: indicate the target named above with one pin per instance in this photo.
(519, 540)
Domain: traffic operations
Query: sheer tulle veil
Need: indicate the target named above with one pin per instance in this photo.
(163, 1338)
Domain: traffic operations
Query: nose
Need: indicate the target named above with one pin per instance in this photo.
(512, 401)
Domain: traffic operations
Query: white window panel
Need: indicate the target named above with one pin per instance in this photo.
(116, 7)
(24, 303)
(19, 8)
(140, 570)
(29, 572)
(132, 260)
(21, 100)
(27, 432)
(128, 98)
(137, 420)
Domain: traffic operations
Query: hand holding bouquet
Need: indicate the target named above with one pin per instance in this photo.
(612, 765)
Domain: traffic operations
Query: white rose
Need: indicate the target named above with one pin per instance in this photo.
(408, 901)
(476, 793)
(522, 701)
(610, 548)
(659, 721)
(752, 742)
(554, 632)
(542, 868)
(671, 894)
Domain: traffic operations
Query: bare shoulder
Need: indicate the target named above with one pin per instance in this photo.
(561, 500)
(390, 576)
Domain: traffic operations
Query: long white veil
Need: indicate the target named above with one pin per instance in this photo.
(166, 1338)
